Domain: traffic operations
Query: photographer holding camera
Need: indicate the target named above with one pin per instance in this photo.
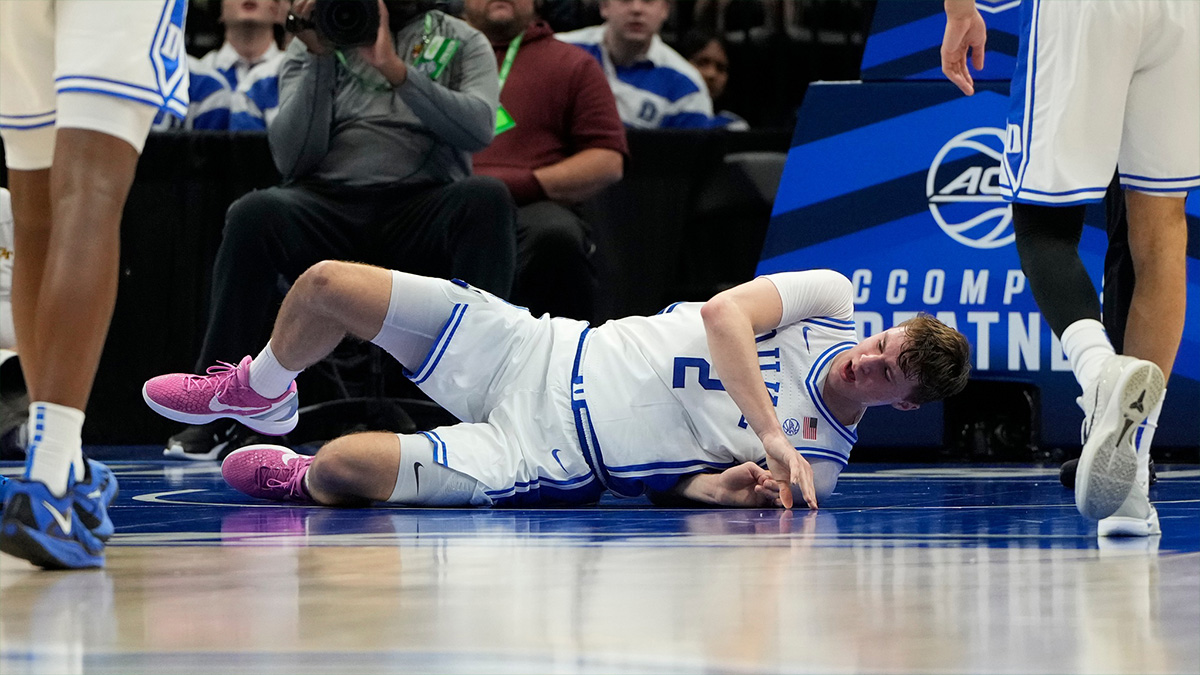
(374, 142)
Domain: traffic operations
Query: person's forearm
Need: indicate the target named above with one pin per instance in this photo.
(735, 357)
(702, 487)
(299, 132)
(580, 176)
(462, 119)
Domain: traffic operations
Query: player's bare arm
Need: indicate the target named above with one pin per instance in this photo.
(731, 320)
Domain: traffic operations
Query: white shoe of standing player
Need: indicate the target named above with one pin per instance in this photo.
(1127, 390)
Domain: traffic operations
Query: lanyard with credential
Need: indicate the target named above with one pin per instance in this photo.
(504, 121)
(430, 55)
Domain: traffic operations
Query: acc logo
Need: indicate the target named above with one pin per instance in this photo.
(965, 189)
(791, 426)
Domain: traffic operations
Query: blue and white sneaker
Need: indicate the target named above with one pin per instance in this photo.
(93, 496)
(46, 530)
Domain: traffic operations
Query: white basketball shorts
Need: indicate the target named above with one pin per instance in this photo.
(507, 376)
(1104, 85)
(103, 65)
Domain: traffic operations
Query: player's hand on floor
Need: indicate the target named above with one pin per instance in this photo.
(789, 468)
(747, 484)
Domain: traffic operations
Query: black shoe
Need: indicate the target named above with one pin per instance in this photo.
(1067, 473)
(213, 441)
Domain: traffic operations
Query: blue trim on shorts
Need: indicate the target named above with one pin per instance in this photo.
(27, 127)
(438, 444)
(1185, 179)
(439, 349)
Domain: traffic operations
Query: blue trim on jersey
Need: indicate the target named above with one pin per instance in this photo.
(826, 322)
(814, 392)
(439, 348)
(824, 453)
(669, 308)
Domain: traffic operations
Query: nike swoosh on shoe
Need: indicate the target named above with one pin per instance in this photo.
(64, 522)
(216, 406)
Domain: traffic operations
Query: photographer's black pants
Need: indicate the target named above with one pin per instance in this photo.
(464, 230)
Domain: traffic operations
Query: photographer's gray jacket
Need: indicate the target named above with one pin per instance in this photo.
(334, 126)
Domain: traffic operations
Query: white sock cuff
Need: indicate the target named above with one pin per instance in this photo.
(1084, 334)
(1086, 344)
(55, 445)
(267, 376)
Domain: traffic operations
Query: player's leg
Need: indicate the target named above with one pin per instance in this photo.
(355, 470)
(1063, 143)
(402, 313)
(1159, 162)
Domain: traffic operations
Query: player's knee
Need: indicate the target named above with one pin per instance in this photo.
(320, 286)
(336, 475)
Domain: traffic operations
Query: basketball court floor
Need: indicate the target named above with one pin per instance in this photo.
(906, 569)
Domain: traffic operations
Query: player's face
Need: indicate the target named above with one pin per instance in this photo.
(635, 20)
(713, 65)
(252, 11)
(870, 374)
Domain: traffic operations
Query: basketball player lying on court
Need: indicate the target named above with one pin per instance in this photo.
(692, 402)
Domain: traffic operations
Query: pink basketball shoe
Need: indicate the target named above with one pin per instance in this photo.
(268, 472)
(224, 392)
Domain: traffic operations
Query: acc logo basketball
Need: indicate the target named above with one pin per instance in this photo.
(791, 426)
(964, 189)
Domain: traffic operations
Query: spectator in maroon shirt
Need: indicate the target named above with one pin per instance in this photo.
(566, 145)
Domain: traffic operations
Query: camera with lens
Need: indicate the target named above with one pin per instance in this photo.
(347, 23)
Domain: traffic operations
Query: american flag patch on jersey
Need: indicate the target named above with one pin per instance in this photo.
(810, 428)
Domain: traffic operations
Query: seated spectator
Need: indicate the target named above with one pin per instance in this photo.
(566, 143)
(236, 87)
(655, 87)
(374, 144)
(707, 53)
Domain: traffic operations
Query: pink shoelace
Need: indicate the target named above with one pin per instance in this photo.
(289, 479)
(218, 378)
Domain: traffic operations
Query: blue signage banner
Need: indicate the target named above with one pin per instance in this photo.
(897, 186)
(906, 40)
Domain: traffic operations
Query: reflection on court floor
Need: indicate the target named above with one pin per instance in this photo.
(906, 569)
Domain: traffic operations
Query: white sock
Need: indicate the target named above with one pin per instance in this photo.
(1145, 436)
(55, 445)
(268, 377)
(1086, 345)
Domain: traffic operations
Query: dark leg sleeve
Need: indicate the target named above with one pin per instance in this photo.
(554, 262)
(1118, 267)
(269, 235)
(1048, 244)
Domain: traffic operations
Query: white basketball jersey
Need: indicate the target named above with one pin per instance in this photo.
(659, 410)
